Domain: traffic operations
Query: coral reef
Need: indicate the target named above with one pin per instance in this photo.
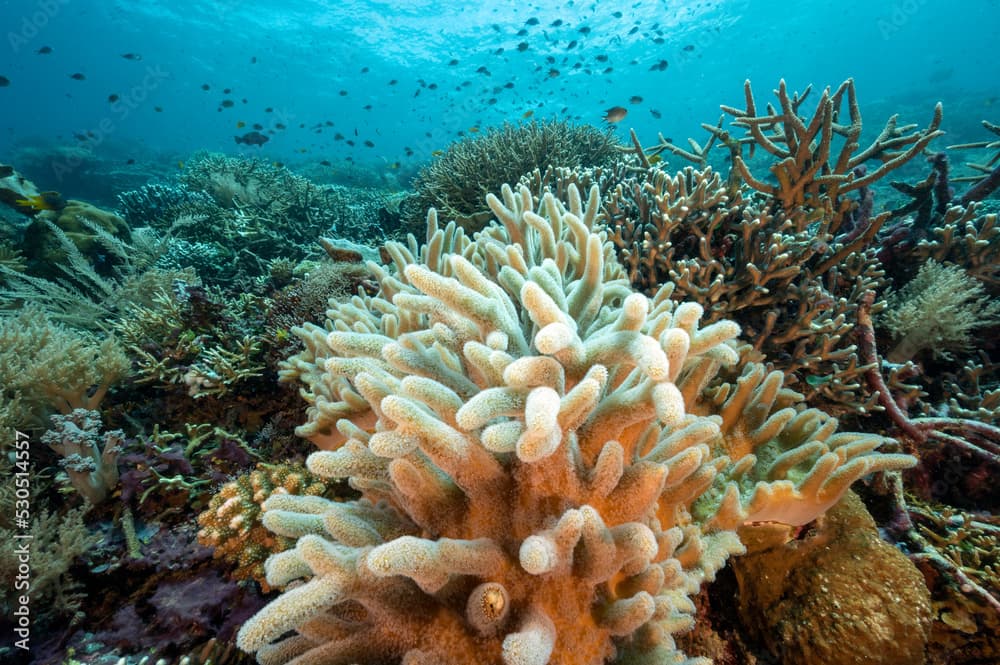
(46, 367)
(231, 524)
(521, 370)
(837, 595)
(89, 458)
(457, 182)
(938, 310)
(231, 216)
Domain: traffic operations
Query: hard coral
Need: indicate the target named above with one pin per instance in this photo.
(231, 523)
(549, 468)
(457, 182)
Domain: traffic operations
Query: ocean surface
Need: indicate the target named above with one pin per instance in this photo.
(400, 80)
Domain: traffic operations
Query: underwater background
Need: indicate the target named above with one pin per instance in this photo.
(193, 195)
(412, 77)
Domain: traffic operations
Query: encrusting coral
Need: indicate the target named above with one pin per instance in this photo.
(549, 464)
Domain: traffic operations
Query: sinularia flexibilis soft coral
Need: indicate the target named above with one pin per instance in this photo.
(549, 469)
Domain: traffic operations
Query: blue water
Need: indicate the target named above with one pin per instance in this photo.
(325, 67)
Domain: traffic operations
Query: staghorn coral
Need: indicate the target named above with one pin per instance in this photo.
(191, 336)
(782, 276)
(548, 467)
(812, 170)
(987, 174)
(231, 524)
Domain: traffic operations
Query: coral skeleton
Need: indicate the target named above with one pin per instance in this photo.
(550, 464)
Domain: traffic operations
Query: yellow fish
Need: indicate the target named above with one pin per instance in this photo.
(180, 165)
(240, 124)
(43, 201)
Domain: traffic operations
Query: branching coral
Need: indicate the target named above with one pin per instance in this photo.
(549, 468)
(811, 171)
(782, 277)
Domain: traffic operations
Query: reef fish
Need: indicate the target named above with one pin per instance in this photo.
(252, 138)
(43, 201)
(615, 114)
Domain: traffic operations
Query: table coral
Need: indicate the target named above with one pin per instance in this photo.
(549, 465)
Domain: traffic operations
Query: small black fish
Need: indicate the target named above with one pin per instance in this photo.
(4, 81)
(113, 98)
(616, 14)
(660, 66)
(584, 30)
(656, 114)
(77, 76)
(253, 60)
(689, 48)
(482, 70)
(369, 144)
(572, 44)
(556, 23)
(343, 93)
(393, 82)
(635, 99)
(130, 161)
(269, 109)
(531, 21)
(131, 56)
(601, 58)
(226, 91)
(45, 50)
(205, 86)
(365, 70)
(227, 103)
(158, 109)
(252, 138)
(523, 46)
